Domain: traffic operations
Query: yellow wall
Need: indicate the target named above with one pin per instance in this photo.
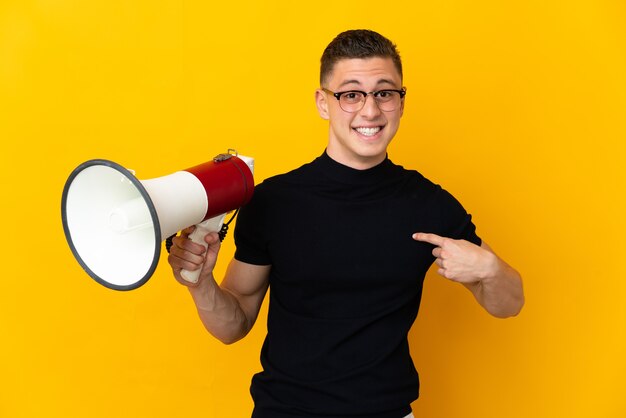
(517, 108)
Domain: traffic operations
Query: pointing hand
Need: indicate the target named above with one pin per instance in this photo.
(460, 260)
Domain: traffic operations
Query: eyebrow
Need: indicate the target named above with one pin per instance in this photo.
(379, 82)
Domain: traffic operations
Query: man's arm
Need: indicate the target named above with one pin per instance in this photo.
(494, 284)
(228, 311)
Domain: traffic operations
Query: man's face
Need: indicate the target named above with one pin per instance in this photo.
(360, 139)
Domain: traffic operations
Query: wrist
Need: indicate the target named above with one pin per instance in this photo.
(491, 269)
(203, 294)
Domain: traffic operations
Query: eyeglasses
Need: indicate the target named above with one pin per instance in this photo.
(353, 100)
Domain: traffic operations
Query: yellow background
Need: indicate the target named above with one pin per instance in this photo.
(517, 108)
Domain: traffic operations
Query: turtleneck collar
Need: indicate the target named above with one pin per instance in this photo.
(338, 172)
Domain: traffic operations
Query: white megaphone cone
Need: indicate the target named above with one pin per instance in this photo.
(115, 223)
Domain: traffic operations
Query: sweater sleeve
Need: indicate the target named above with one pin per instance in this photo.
(250, 232)
(455, 221)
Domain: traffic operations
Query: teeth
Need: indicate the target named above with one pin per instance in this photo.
(368, 131)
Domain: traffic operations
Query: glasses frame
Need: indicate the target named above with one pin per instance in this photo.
(375, 94)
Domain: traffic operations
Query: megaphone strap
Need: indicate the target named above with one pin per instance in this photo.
(169, 243)
(224, 229)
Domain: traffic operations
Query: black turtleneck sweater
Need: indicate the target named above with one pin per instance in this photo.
(345, 285)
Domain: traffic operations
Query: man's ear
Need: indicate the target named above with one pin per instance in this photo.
(322, 104)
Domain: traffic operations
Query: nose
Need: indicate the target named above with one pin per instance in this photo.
(370, 107)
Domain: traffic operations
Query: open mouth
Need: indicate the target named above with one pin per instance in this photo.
(369, 131)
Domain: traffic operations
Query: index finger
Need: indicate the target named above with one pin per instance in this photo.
(187, 231)
(430, 238)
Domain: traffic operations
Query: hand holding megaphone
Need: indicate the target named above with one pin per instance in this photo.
(198, 236)
(115, 223)
(186, 253)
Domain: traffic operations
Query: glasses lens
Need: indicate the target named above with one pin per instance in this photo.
(351, 101)
(388, 100)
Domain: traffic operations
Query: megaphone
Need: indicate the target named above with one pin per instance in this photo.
(115, 223)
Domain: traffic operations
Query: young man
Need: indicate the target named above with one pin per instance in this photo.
(344, 243)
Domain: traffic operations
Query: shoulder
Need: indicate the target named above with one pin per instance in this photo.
(426, 191)
(273, 191)
(415, 181)
(448, 216)
(292, 179)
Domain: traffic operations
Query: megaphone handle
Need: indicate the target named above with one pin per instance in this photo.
(210, 225)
